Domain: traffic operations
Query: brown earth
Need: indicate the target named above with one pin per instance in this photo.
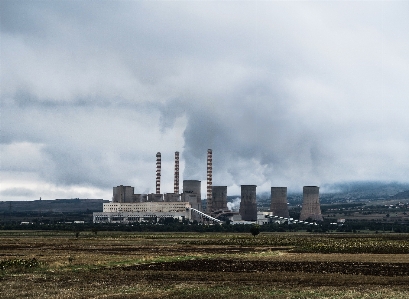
(229, 265)
(129, 265)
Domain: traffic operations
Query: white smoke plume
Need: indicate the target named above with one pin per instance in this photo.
(234, 205)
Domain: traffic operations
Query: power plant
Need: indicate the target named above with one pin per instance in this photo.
(126, 206)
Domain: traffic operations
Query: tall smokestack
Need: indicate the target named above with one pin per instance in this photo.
(176, 181)
(158, 172)
(209, 181)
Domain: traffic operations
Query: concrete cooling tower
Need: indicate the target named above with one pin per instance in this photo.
(219, 194)
(279, 205)
(248, 204)
(311, 204)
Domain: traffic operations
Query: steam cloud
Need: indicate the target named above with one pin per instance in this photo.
(234, 205)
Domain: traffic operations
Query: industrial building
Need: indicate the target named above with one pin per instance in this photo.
(279, 205)
(125, 194)
(311, 204)
(127, 206)
(116, 212)
(192, 194)
(170, 197)
(155, 197)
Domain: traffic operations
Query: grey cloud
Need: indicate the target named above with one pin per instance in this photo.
(288, 93)
(17, 192)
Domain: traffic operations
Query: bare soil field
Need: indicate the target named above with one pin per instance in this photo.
(44, 264)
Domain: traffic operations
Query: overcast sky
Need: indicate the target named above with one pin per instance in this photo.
(286, 93)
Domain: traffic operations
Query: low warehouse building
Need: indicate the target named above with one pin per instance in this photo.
(116, 212)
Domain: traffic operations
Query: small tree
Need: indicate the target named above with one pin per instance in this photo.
(255, 229)
(95, 230)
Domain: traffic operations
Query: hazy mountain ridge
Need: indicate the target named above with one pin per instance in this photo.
(402, 195)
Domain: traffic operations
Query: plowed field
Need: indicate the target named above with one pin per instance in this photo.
(177, 265)
(224, 265)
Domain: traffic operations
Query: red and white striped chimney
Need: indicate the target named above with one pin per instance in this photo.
(176, 181)
(158, 171)
(209, 181)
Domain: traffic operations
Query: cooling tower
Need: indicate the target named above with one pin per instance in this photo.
(311, 204)
(248, 204)
(279, 205)
(219, 196)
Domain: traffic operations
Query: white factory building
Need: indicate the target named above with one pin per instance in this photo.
(118, 212)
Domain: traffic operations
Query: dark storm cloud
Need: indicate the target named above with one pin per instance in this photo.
(292, 94)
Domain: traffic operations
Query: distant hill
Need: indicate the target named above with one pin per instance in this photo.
(401, 195)
(386, 188)
(364, 190)
(58, 205)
